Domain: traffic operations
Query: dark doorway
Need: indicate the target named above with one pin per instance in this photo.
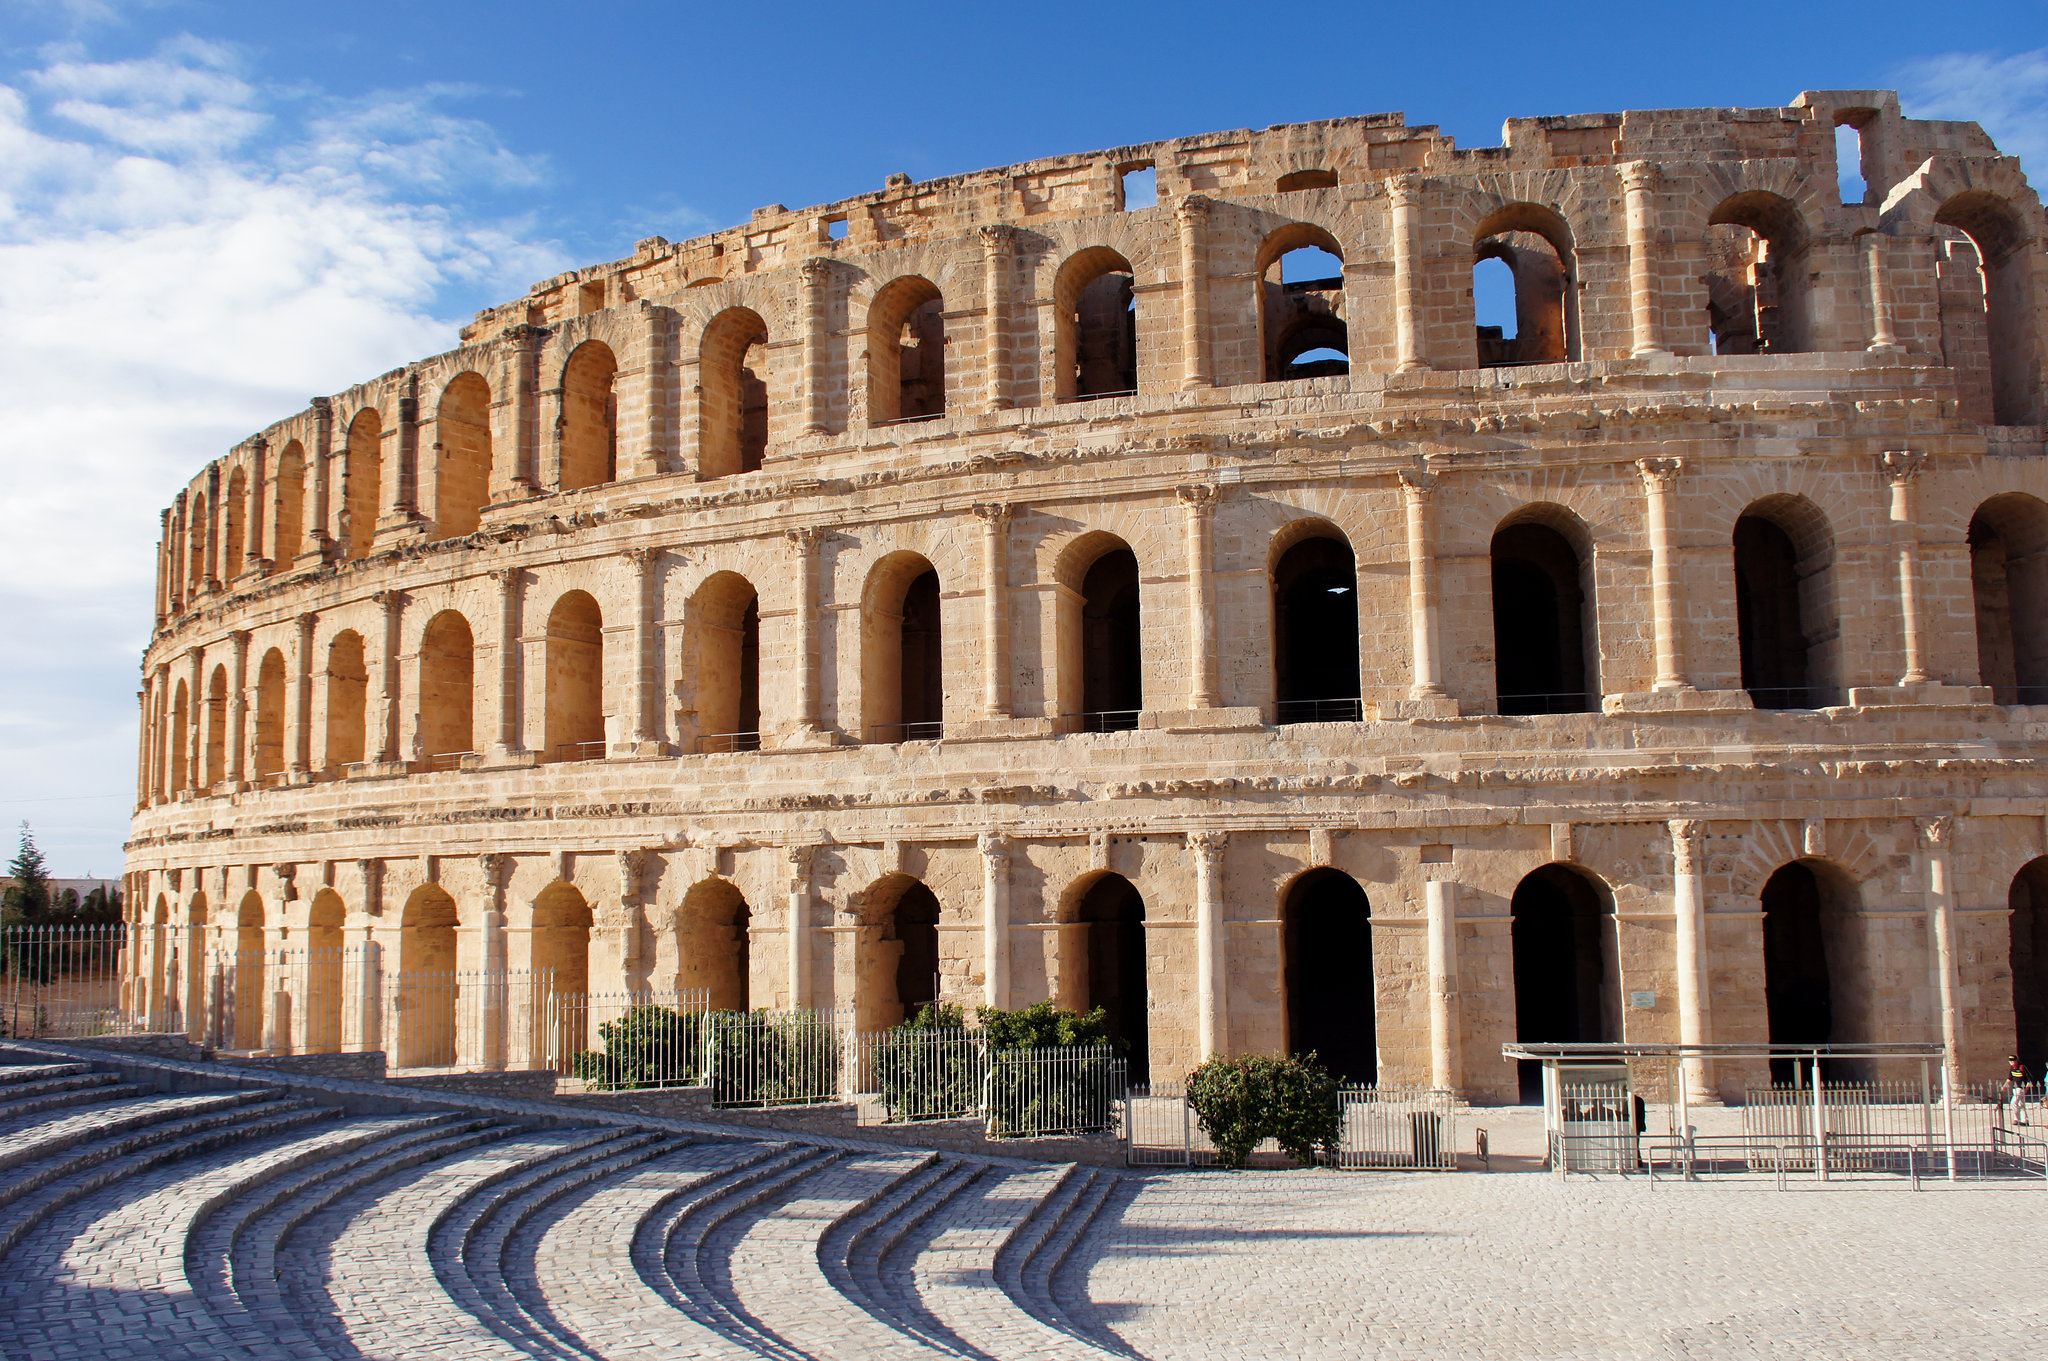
(1315, 624)
(1114, 915)
(916, 922)
(1567, 975)
(924, 710)
(1769, 621)
(1330, 1001)
(1112, 681)
(747, 734)
(1106, 338)
(1798, 994)
(2028, 899)
(1539, 628)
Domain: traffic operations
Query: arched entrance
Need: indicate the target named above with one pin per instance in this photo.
(1315, 632)
(899, 964)
(251, 973)
(711, 935)
(426, 980)
(1567, 964)
(1112, 917)
(324, 981)
(2028, 899)
(561, 965)
(1331, 1005)
(1813, 953)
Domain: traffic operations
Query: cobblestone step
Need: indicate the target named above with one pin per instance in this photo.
(11, 1073)
(854, 1253)
(1028, 1268)
(16, 1096)
(34, 1137)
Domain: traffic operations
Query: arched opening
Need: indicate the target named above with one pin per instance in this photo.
(363, 475)
(575, 712)
(1814, 989)
(711, 938)
(1315, 632)
(195, 539)
(324, 981)
(235, 512)
(561, 961)
(2006, 277)
(1095, 339)
(1112, 918)
(1756, 275)
(1301, 304)
(732, 422)
(1112, 669)
(2009, 583)
(1331, 1003)
(1544, 643)
(1306, 179)
(899, 969)
(725, 630)
(1535, 246)
(906, 352)
(217, 727)
(181, 737)
(251, 973)
(902, 681)
(462, 467)
(270, 714)
(447, 691)
(590, 417)
(1567, 964)
(2028, 899)
(1784, 604)
(348, 689)
(291, 505)
(427, 979)
(203, 1025)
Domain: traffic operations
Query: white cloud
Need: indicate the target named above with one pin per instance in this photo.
(187, 254)
(2008, 95)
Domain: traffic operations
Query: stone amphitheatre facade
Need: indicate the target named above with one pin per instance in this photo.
(995, 589)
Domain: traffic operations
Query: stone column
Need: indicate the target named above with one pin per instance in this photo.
(804, 543)
(817, 276)
(143, 737)
(1877, 260)
(320, 525)
(215, 549)
(648, 737)
(1902, 470)
(261, 513)
(1936, 842)
(510, 700)
(238, 710)
(521, 478)
(161, 758)
(1689, 925)
(496, 868)
(165, 552)
(1446, 1054)
(1193, 217)
(995, 919)
(996, 240)
(299, 742)
(995, 611)
(1639, 192)
(1211, 976)
(1205, 688)
(1660, 481)
(196, 710)
(1404, 195)
(799, 925)
(630, 921)
(393, 603)
(1426, 672)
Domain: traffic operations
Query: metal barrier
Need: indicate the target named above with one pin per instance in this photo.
(1073, 1089)
(1289, 711)
(579, 751)
(627, 1041)
(1405, 1128)
(886, 733)
(1104, 720)
(67, 982)
(776, 1058)
(908, 1074)
(711, 743)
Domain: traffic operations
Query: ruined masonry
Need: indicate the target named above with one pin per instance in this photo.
(1004, 588)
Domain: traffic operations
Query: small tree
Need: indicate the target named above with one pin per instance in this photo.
(1241, 1101)
(929, 1068)
(28, 898)
(1042, 1026)
(1063, 1094)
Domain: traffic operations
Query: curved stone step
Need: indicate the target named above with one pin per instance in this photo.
(855, 1253)
(1028, 1268)
(26, 1098)
(1063, 1285)
(11, 1073)
(34, 1137)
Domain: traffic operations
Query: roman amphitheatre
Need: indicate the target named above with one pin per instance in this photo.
(1023, 586)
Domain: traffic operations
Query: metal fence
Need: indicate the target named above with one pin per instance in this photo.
(1378, 1127)
(776, 1058)
(1073, 1089)
(66, 982)
(623, 1041)
(910, 1074)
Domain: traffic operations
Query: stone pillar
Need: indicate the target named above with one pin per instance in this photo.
(195, 722)
(1689, 925)
(238, 710)
(495, 869)
(995, 611)
(1902, 470)
(1204, 688)
(299, 741)
(1639, 192)
(511, 701)
(261, 513)
(1193, 217)
(804, 543)
(995, 919)
(1936, 842)
(320, 530)
(142, 745)
(1660, 480)
(393, 603)
(995, 287)
(629, 922)
(1404, 195)
(1211, 975)
(521, 462)
(215, 549)
(165, 553)
(817, 276)
(1446, 1055)
(161, 758)
(1426, 671)
(1877, 260)
(799, 925)
(649, 739)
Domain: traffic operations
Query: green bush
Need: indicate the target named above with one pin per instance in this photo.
(767, 1058)
(929, 1068)
(649, 1046)
(1042, 1026)
(1241, 1101)
(1048, 1095)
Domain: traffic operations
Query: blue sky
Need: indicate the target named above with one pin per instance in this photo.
(211, 211)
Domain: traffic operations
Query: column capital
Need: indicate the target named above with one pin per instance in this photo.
(1660, 474)
(526, 335)
(994, 845)
(1900, 466)
(240, 638)
(633, 865)
(994, 514)
(800, 858)
(323, 405)
(995, 237)
(1640, 177)
(1192, 210)
(1198, 497)
(1936, 833)
(644, 558)
(1405, 190)
(307, 622)
(391, 601)
(1688, 837)
(1417, 482)
(1208, 846)
(507, 577)
(804, 537)
(816, 271)
(494, 865)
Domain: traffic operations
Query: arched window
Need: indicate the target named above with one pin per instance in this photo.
(217, 727)
(195, 541)
(252, 999)
(1315, 633)
(1331, 1005)
(427, 980)
(462, 468)
(898, 962)
(2006, 260)
(2009, 581)
(1814, 988)
(1756, 276)
(363, 473)
(2028, 942)
(348, 686)
(235, 512)
(447, 691)
(590, 417)
(561, 963)
(291, 505)
(1095, 340)
(732, 421)
(575, 713)
(1111, 915)
(711, 944)
(1544, 642)
(270, 714)
(196, 973)
(1112, 680)
(1567, 964)
(906, 352)
(181, 737)
(724, 633)
(325, 980)
(902, 679)
(1784, 604)
(1301, 304)
(1535, 246)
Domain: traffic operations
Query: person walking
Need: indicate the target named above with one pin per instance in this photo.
(2013, 1095)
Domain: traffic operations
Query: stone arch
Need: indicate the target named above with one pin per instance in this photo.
(2007, 257)
(270, 684)
(1327, 974)
(2008, 538)
(362, 474)
(575, 679)
(722, 640)
(348, 684)
(1545, 620)
(181, 739)
(326, 980)
(732, 410)
(712, 944)
(216, 726)
(196, 529)
(1536, 244)
(1295, 318)
(235, 514)
(902, 676)
(1108, 916)
(447, 717)
(252, 958)
(898, 954)
(590, 417)
(561, 937)
(197, 1004)
(1757, 288)
(2027, 946)
(1100, 654)
(290, 537)
(906, 352)
(1787, 625)
(427, 981)
(1095, 326)
(1312, 581)
(462, 462)
(1816, 968)
(1567, 962)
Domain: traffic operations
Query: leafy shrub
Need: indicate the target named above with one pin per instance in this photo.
(1042, 1026)
(1035, 1092)
(649, 1046)
(1241, 1101)
(763, 1057)
(929, 1067)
